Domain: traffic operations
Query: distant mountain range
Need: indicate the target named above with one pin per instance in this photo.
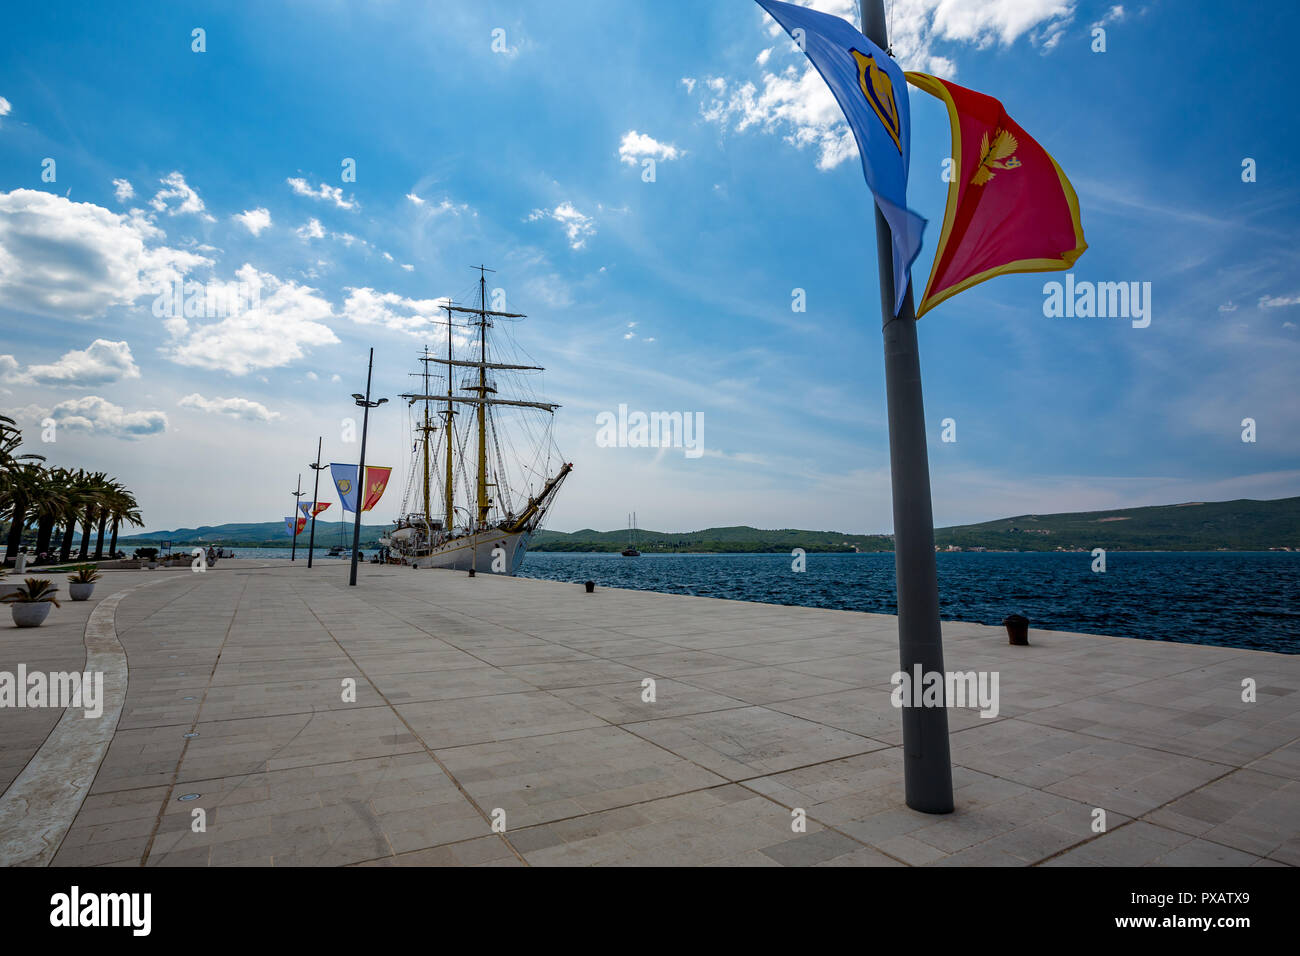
(1242, 525)
(263, 534)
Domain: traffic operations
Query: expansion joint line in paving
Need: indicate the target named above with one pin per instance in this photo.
(180, 760)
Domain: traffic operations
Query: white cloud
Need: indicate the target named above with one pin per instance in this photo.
(102, 363)
(177, 196)
(123, 190)
(577, 226)
(312, 230)
(286, 320)
(5, 108)
(71, 259)
(392, 311)
(442, 208)
(1278, 301)
(1114, 15)
(324, 192)
(637, 146)
(254, 220)
(235, 407)
(1228, 307)
(795, 103)
(408, 267)
(98, 415)
(689, 83)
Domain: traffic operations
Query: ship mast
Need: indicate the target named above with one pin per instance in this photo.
(484, 503)
(480, 399)
(424, 430)
(447, 431)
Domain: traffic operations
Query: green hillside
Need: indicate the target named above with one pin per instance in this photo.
(263, 534)
(1243, 525)
(735, 539)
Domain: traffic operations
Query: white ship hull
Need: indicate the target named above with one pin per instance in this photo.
(475, 550)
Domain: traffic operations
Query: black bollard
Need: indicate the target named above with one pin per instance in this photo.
(591, 586)
(1017, 629)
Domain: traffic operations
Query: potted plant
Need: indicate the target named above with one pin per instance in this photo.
(81, 584)
(31, 602)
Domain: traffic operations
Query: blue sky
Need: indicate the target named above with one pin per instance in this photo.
(666, 295)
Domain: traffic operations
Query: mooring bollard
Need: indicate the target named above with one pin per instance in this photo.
(1017, 629)
(590, 586)
(471, 572)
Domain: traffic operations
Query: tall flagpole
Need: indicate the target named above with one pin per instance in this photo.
(297, 500)
(927, 764)
(315, 499)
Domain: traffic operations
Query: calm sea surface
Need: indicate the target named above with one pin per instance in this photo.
(1231, 599)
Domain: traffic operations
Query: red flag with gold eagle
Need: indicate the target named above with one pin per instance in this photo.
(1010, 207)
(376, 482)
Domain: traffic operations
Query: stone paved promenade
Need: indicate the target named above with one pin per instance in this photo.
(477, 696)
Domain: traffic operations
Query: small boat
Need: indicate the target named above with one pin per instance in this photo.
(630, 551)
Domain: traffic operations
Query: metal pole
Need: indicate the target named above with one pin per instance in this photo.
(315, 498)
(361, 474)
(927, 764)
(297, 497)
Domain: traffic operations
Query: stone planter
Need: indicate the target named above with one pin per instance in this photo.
(31, 614)
(80, 590)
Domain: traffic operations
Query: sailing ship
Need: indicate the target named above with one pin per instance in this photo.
(630, 551)
(484, 520)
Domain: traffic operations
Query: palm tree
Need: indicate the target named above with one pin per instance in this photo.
(123, 507)
(10, 438)
(17, 483)
(50, 505)
(93, 492)
(22, 488)
(78, 494)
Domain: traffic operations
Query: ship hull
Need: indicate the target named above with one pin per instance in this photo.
(475, 550)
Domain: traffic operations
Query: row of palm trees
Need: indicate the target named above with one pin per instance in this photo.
(57, 500)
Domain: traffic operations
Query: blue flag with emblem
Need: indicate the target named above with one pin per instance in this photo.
(345, 482)
(872, 93)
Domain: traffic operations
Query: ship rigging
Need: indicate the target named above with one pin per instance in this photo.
(506, 499)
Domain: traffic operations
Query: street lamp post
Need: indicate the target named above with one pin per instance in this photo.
(315, 500)
(297, 498)
(363, 401)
